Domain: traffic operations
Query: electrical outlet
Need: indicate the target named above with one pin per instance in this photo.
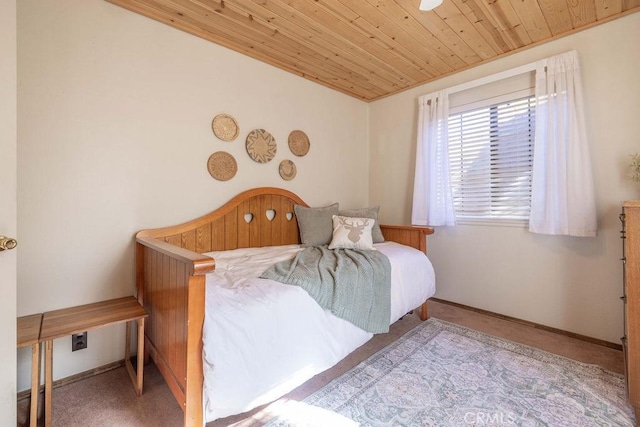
(79, 341)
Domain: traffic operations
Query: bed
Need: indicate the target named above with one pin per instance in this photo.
(174, 264)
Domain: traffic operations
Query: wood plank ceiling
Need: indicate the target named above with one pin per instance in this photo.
(370, 49)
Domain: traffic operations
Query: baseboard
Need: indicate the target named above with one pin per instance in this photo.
(77, 377)
(533, 324)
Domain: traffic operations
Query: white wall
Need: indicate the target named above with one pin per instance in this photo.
(568, 283)
(114, 128)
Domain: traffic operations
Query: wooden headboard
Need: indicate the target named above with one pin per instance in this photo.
(258, 217)
(171, 269)
(254, 218)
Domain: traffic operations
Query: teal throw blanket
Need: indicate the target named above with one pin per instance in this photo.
(354, 285)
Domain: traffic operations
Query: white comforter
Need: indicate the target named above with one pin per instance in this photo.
(263, 338)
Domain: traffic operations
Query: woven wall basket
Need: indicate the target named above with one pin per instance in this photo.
(299, 143)
(222, 166)
(261, 146)
(225, 127)
(287, 170)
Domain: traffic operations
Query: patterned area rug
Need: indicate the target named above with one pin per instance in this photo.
(440, 374)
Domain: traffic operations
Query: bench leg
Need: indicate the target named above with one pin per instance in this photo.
(35, 384)
(140, 357)
(48, 380)
(127, 342)
(136, 377)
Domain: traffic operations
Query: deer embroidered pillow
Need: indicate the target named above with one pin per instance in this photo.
(352, 233)
(372, 213)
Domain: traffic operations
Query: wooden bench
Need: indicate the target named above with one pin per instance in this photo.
(74, 320)
(29, 334)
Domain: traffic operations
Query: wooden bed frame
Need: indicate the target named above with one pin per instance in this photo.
(170, 276)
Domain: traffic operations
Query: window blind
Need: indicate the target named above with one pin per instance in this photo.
(491, 158)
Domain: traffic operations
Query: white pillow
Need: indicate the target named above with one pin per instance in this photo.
(352, 233)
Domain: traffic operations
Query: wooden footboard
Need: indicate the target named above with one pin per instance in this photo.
(171, 287)
(170, 275)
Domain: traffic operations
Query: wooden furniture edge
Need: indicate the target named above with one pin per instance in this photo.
(28, 334)
(221, 211)
(631, 298)
(193, 404)
(198, 264)
(423, 230)
(28, 329)
(48, 333)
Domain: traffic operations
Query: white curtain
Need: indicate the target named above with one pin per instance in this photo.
(432, 195)
(562, 194)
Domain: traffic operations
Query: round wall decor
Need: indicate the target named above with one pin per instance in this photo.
(222, 166)
(299, 143)
(261, 146)
(225, 127)
(287, 170)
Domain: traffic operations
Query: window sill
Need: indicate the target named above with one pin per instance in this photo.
(493, 222)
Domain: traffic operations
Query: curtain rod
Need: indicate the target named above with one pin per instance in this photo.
(494, 77)
(532, 66)
(504, 74)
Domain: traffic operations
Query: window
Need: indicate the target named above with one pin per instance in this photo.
(491, 160)
(474, 156)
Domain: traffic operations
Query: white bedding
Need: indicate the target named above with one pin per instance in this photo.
(262, 338)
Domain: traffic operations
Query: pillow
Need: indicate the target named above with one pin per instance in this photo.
(316, 228)
(371, 212)
(352, 233)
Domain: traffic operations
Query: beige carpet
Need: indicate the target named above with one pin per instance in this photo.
(108, 399)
